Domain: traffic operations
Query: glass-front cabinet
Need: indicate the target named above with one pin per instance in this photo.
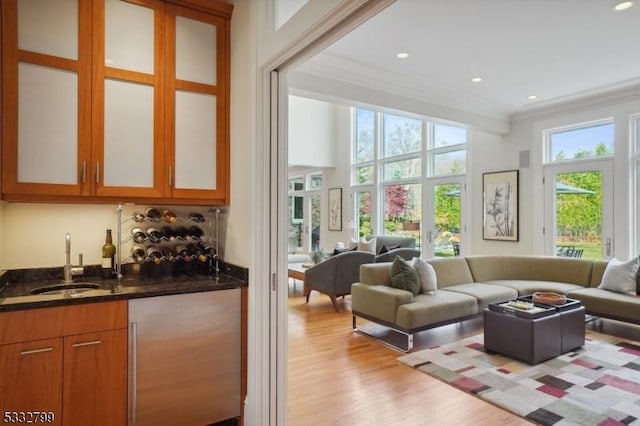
(117, 100)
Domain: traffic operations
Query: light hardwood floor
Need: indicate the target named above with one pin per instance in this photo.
(338, 377)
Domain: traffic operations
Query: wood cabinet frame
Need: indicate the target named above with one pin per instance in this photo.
(91, 74)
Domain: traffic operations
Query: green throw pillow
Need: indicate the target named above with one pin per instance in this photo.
(404, 276)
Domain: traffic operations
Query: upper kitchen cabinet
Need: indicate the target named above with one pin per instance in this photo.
(130, 102)
(46, 87)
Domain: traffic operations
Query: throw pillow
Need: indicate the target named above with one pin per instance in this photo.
(369, 246)
(404, 276)
(621, 277)
(427, 275)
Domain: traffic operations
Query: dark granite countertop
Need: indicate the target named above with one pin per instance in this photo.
(17, 287)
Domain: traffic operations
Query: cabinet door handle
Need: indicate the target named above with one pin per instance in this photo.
(36, 351)
(93, 343)
(97, 172)
(170, 176)
(84, 172)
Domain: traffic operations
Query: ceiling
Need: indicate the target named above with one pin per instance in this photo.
(557, 50)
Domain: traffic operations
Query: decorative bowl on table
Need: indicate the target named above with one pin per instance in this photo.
(549, 298)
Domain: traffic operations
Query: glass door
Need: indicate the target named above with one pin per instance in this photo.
(579, 210)
(444, 220)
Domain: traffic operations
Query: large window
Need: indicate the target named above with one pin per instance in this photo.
(392, 156)
(578, 186)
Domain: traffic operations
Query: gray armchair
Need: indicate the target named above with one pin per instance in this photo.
(335, 275)
(404, 252)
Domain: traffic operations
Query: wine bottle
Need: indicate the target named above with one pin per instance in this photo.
(195, 232)
(138, 217)
(183, 253)
(196, 252)
(154, 234)
(154, 255)
(181, 233)
(153, 214)
(167, 233)
(138, 235)
(196, 217)
(168, 216)
(108, 255)
(138, 253)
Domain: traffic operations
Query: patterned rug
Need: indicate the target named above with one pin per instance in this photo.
(596, 385)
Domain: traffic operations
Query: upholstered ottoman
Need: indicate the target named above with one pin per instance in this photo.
(534, 340)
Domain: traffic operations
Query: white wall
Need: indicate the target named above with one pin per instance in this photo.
(243, 88)
(311, 133)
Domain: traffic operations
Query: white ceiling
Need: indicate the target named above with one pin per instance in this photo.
(558, 50)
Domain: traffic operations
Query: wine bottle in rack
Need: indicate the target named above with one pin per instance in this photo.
(181, 232)
(168, 233)
(108, 255)
(138, 217)
(154, 255)
(196, 217)
(182, 252)
(153, 214)
(154, 234)
(168, 254)
(138, 253)
(139, 235)
(168, 216)
(195, 232)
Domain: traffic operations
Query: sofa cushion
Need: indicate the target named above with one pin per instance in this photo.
(451, 271)
(404, 276)
(378, 301)
(525, 287)
(608, 303)
(427, 275)
(485, 293)
(621, 277)
(540, 268)
(434, 308)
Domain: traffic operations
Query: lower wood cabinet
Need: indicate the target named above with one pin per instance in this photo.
(94, 382)
(78, 377)
(31, 380)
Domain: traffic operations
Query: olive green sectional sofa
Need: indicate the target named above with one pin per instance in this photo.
(467, 285)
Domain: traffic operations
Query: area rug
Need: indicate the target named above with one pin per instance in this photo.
(598, 384)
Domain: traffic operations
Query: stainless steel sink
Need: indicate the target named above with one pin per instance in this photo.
(67, 288)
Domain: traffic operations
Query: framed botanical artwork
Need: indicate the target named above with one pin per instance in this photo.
(335, 209)
(500, 206)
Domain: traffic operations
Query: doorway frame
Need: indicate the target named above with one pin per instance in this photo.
(267, 308)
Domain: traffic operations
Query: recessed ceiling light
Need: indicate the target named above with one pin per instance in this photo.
(476, 79)
(623, 5)
(532, 97)
(402, 55)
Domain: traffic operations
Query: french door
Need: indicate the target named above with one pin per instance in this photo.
(578, 212)
(444, 222)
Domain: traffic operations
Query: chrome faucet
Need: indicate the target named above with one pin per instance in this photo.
(70, 270)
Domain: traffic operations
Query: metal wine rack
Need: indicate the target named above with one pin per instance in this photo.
(210, 235)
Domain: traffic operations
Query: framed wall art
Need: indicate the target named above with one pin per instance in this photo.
(500, 206)
(335, 209)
